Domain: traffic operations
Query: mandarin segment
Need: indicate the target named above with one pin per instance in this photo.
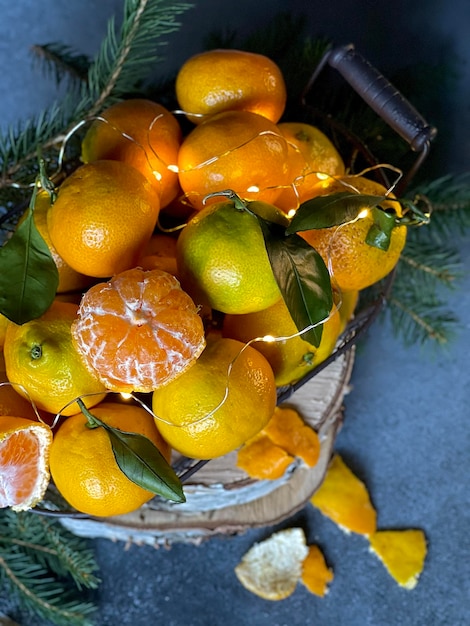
(344, 499)
(316, 575)
(402, 552)
(288, 430)
(262, 459)
(24, 462)
(138, 331)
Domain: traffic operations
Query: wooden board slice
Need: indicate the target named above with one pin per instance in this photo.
(221, 499)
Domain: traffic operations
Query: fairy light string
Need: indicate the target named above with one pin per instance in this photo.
(151, 150)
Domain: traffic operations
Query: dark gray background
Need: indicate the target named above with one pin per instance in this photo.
(406, 431)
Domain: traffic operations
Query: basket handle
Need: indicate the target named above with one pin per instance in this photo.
(381, 96)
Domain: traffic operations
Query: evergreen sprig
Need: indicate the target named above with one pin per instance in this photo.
(62, 62)
(42, 565)
(450, 199)
(430, 264)
(122, 63)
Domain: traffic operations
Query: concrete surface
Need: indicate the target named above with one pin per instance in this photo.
(406, 431)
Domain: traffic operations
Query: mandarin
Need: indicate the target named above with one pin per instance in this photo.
(222, 259)
(12, 403)
(138, 331)
(290, 356)
(236, 150)
(312, 157)
(145, 135)
(219, 403)
(221, 80)
(41, 360)
(104, 214)
(4, 321)
(24, 462)
(353, 263)
(83, 466)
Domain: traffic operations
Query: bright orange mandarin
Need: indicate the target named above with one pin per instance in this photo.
(138, 331)
(24, 462)
(83, 466)
(12, 403)
(219, 403)
(236, 150)
(221, 80)
(105, 213)
(312, 157)
(141, 133)
(353, 263)
(160, 254)
(291, 357)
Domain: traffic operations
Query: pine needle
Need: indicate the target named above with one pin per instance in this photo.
(38, 562)
(61, 62)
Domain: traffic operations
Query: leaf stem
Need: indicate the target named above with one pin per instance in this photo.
(92, 421)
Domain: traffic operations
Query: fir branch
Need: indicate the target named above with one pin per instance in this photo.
(419, 322)
(450, 200)
(41, 595)
(61, 62)
(430, 264)
(53, 547)
(126, 57)
(38, 559)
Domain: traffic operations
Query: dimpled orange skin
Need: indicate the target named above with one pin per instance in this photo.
(220, 80)
(353, 263)
(83, 466)
(236, 150)
(314, 160)
(210, 410)
(41, 360)
(145, 135)
(104, 215)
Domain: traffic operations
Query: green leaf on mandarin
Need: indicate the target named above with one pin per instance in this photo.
(302, 277)
(29, 276)
(331, 210)
(380, 233)
(139, 459)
